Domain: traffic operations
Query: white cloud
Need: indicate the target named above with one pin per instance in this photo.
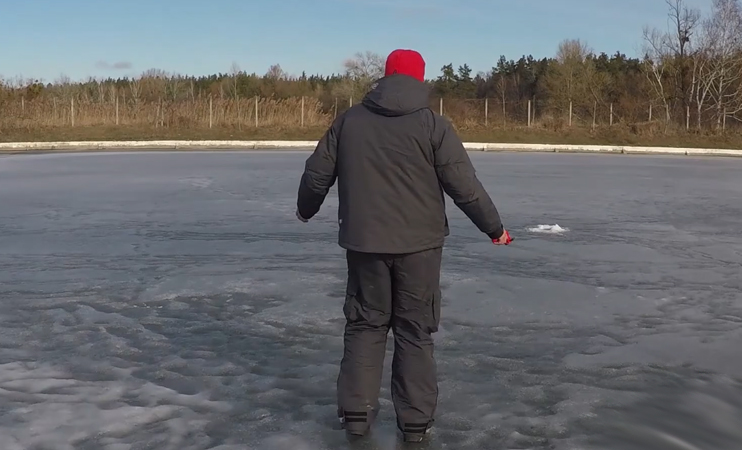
(120, 65)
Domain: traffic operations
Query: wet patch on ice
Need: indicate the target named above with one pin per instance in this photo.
(198, 182)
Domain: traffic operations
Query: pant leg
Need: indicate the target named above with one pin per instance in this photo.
(416, 315)
(368, 312)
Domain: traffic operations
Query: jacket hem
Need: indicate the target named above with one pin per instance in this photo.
(390, 251)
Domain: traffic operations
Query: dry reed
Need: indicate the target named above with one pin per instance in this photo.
(198, 113)
(61, 117)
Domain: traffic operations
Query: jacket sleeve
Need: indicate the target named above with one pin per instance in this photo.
(458, 179)
(320, 173)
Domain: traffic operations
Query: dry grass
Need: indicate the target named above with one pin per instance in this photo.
(144, 132)
(50, 120)
(197, 113)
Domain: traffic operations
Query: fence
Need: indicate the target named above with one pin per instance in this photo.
(245, 113)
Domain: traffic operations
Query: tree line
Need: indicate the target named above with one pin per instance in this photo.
(689, 77)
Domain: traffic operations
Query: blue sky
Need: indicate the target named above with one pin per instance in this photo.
(81, 38)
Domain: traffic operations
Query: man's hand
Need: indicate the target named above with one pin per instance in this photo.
(505, 239)
(298, 216)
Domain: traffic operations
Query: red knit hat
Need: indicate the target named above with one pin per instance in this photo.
(405, 62)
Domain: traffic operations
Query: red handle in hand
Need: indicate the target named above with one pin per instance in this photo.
(508, 239)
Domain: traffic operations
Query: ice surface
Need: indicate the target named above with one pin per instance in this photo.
(173, 301)
(550, 229)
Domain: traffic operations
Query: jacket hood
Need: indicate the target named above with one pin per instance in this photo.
(397, 95)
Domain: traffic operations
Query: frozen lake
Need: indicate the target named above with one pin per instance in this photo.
(172, 301)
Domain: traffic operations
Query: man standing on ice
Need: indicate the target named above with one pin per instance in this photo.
(393, 158)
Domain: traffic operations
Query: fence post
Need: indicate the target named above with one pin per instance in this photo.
(117, 109)
(23, 104)
(611, 118)
(440, 107)
(724, 120)
(595, 113)
(72, 111)
(570, 113)
(350, 102)
(650, 112)
(239, 113)
(302, 111)
(211, 111)
(486, 111)
(529, 113)
(504, 114)
(257, 100)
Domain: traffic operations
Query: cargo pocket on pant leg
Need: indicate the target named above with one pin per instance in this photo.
(435, 311)
(351, 306)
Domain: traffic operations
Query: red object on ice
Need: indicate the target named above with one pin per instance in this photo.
(507, 240)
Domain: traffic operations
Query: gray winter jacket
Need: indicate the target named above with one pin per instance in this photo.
(393, 158)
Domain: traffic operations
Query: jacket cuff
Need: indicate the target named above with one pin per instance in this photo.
(497, 233)
(306, 211)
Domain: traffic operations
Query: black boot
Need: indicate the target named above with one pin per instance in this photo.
(357, 423)
(416, 433)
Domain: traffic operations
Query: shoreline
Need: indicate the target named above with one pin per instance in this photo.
(278, 145)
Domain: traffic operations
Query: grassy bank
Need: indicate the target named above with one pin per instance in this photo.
(114, 118)
(600, 136)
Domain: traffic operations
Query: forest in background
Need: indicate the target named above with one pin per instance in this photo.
(686, 89)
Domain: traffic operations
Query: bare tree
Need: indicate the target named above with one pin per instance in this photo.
(572, 79)
(65, 86)
(502, 88)
(135, 86)
(363, 70)
(724, 53)
(174, 86)
(112, 92)
(275, 73)
(154, 83)
(597, 83)
(683, 22)
(235, 71)
(669, 63)
(657, 62)
(702, 80)
(102, 88)
(17, 82)
(365, 66)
